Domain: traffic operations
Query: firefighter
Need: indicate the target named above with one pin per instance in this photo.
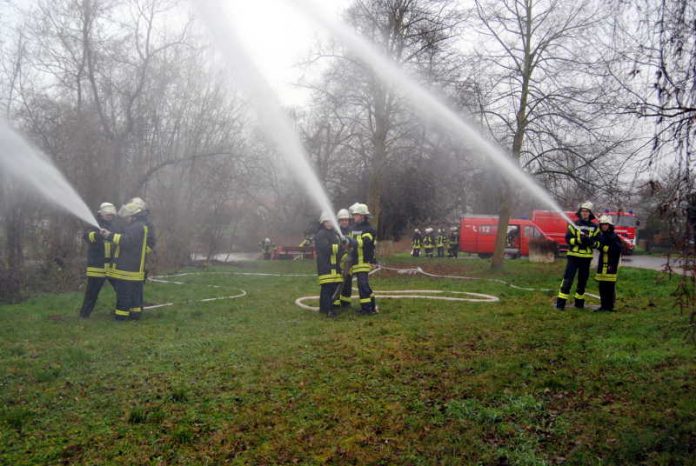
(363, 256)
(144, 216)
(416, 243)
(98, 258)
(128, 269)
(453, 242)
(581, 237)
(440, 242)
(428, 242)
(327, 245)
(266, 247)
(609, 245)
(344, 218)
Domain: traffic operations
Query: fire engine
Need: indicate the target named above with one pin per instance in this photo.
(477, 232)
(477, 235)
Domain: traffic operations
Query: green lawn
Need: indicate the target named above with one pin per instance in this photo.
(257, 380)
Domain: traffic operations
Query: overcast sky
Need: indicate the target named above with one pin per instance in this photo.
(278, 36)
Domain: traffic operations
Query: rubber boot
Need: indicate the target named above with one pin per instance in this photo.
(579, 304)
(560, 304)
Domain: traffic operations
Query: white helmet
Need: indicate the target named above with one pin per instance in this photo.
(416, 230)
(453, 228)
(606, 219)
(352, 208)
(130, 209)
(139, 202)
(107, 208)
(325, 217)
(587, 205)
(343, 214)
(361, 209)
(428, 230)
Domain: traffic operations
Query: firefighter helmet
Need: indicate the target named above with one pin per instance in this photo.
(139, 202)
(325, 217)
(130, 209)
(587, 205)
(416, 230)
(352, 208)
(343, 214)
(606, 219)
(361, 209)
(428, 230)
(453, 228)
(107, 208)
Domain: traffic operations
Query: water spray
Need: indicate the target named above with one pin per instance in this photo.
(424, 101)
(271, 116)
(23, 162)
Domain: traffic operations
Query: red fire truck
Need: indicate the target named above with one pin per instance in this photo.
(552, 224)
(477, 232)
(477, 235)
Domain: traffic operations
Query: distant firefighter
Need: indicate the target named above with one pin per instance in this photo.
(428, 242)
(453, 242)
(416, 243)
(440, 242)
(266, 246)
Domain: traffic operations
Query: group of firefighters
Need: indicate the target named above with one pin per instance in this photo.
(117, 252)
(432, 243)
(340, 255)
(583, 237)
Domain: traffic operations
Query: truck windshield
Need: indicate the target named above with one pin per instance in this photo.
(625, 221)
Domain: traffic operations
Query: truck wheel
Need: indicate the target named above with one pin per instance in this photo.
(485, 256)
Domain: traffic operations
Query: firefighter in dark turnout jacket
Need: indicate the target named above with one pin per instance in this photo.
(327, 245)
(144, 216)
(363, 256)
(440, 242)
(416, 243)
(98, 258)
(453, 242)
(428, 242)
(581, 237)
(609, 245)
(128, 270)
(343, 217)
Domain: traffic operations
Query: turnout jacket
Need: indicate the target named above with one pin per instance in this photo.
(428, 241)
(327, 247)
(416, 242)
(440, 240)
(130, 248)
(454, 238)
(609, 245)
(98, 250)
(364, 250)
(581, 236)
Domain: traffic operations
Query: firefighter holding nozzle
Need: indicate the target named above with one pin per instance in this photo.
(581, 237)
(327, 244)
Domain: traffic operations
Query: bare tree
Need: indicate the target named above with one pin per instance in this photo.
(545, 99)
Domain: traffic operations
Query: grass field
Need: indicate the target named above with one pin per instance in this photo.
(257, 380)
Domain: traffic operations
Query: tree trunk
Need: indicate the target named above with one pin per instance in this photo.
(379, 144)
(518, 140)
